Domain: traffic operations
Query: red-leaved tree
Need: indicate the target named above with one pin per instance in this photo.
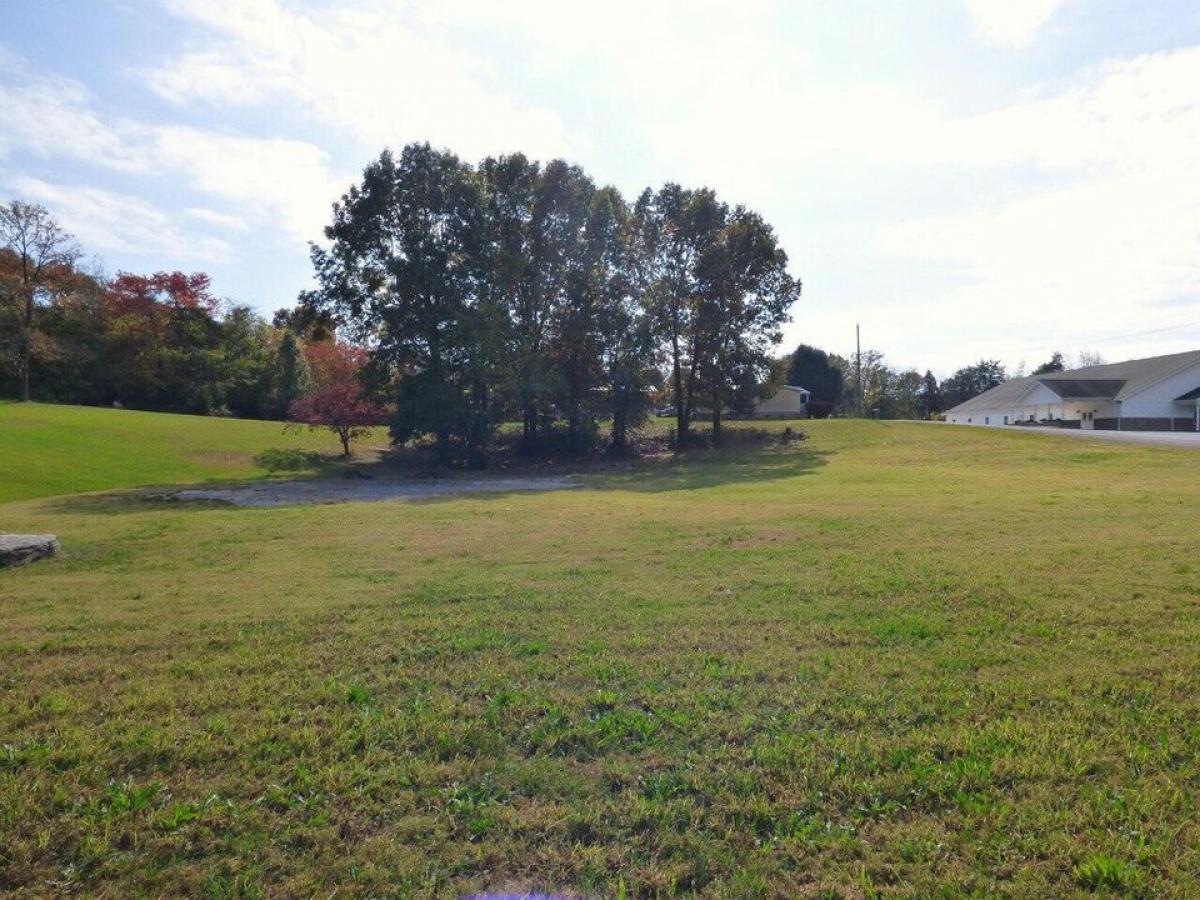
(163, 340)
(334, 361)
(341, 407)
(149, 296)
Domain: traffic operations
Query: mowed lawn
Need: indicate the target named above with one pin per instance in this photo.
(47, 449)
(896, 659)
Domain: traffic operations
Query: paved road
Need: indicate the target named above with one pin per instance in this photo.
(1188, 440)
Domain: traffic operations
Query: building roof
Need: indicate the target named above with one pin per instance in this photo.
(1007, 393)
(1111, 381)
(1085, 388)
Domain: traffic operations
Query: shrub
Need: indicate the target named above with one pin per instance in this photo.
(341, 408)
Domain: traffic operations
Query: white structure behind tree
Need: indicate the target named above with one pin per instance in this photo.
(788, 402)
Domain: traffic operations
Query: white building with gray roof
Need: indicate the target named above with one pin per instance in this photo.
(1161, 393)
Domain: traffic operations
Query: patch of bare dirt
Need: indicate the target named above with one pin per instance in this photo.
(307, 493)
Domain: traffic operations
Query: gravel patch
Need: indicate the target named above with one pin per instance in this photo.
(307, 493)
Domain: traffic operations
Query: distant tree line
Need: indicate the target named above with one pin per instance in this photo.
(868, 386)
(858, 386)
(515, 290)
(155, 342)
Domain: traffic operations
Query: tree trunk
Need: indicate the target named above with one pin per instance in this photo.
(618, 444)
(24, 369)
(681, 419)
(716, 419)
(442, 431)
(479, 430)
(345, 437)
(26, 345)
(529, 432)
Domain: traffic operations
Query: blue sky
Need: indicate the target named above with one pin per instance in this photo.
(964, 178)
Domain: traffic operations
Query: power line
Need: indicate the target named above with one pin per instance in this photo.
(1079, 339)
(1108, 340)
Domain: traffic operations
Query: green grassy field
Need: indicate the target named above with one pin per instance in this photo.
(50, 449)
(895, 659)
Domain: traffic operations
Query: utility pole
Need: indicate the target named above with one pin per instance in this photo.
(858, 391)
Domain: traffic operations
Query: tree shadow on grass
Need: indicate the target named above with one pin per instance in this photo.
(701, 469)
(292, 459)
(373, 481)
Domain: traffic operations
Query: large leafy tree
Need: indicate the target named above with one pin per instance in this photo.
(164, 343)
(246, 364)
(744, 297)
(674, 229)
(295, 378)
(597, 340)
(67, 340)
(36, 256)
(576, 232)
(331, 360)
(403, 271)
(971, 381)
(623, 332)
(904, 395)
(931, 394)
(513, 277)
(813, 369)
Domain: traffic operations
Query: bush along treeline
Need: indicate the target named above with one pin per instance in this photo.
(155, 342)
(516, 291)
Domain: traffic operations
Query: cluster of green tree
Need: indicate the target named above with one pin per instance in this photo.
(158, 342)
(512, 290)
(971, 381)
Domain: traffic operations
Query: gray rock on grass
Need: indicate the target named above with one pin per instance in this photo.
(18, 549)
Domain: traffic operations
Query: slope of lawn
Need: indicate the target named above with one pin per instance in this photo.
(48, 449)
(894, 660)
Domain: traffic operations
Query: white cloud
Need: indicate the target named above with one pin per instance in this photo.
(1090, 199)
(285, 184)
(1011, 23)
(52, 116)
(1102, 247)
(369, 71)
(225, 221)
(110, 222)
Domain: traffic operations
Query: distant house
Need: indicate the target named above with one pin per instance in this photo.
(1161, 393)
(789, 402)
